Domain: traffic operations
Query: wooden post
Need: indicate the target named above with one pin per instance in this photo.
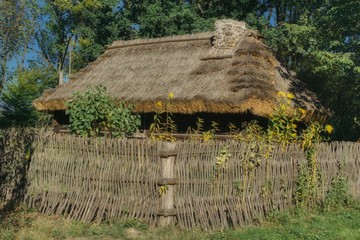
(167, 211)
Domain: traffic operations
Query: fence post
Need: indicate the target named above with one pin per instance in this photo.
(167, 212)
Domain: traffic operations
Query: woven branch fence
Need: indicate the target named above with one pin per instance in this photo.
(98, 179)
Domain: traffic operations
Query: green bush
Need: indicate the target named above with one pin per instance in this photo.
(95, 110)
(337, 195)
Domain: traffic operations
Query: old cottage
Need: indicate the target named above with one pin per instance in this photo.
(227, 75)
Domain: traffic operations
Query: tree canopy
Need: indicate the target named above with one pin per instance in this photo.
(318, 39)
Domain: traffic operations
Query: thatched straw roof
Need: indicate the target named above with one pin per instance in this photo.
(226, 71)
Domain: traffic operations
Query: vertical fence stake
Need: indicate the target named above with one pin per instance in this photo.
(167, 212)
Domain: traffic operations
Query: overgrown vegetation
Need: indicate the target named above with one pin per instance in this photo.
(282, 130)
(163, 126)
(15, 153)
(95, 111)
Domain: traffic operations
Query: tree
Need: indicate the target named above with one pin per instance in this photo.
(19, 93)
(98, 29)
(165, 18)
(234, 9)
(17, 18)
(319, 40)
(64, 26)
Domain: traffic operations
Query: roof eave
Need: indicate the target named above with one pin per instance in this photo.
(257, 107)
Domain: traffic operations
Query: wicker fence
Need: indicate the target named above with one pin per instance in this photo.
(97, 179)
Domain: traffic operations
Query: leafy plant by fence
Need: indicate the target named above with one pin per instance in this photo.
(96, 179)
(95, 110)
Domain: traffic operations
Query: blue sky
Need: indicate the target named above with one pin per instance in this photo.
(12, 64)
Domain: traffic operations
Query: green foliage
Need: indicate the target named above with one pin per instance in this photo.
(224, 9)
(209, 135)
(302, 186)
(282, 130)
(257, 150)
(77, 7)
(95, 110)
(309, 180)
(17, 97)
(223, 157)
(282, 125)
(338, 88)
(98, 29)
(337, 195)
(198, 130)
(319, 40)
(199, 134)
(164, 18)
(15, 153)
(17, 23)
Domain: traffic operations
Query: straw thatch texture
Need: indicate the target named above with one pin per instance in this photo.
(227, 71)
(98, 179)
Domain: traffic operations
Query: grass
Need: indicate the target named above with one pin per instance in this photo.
(343, 223)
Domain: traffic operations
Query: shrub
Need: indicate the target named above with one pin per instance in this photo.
(15, 154)
(95, 110)
(337, 195)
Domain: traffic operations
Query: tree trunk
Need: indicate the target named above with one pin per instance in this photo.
(61, 76)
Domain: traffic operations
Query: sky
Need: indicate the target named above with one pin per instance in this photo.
(31, 55)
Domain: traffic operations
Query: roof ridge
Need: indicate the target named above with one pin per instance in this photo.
(167, 39)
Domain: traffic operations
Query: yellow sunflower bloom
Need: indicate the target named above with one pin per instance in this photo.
(290, 96)
(329, 128)
(302, 111)
(171, 95)
(159, 104)
(281, 94)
